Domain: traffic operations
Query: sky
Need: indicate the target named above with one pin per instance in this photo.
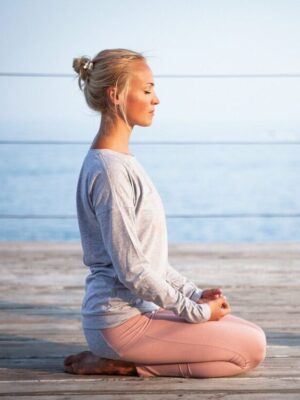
(178, 38)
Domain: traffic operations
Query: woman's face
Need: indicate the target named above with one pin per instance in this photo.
(141, 99)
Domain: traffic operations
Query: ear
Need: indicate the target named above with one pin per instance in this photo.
(111, 92)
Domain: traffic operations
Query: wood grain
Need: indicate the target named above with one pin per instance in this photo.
(42, 285)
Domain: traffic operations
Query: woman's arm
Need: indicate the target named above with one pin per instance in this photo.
(181, 283)
(113, 203)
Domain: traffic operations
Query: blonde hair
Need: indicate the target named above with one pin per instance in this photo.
(110, 67)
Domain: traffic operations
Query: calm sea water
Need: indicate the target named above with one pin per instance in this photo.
(40, 181)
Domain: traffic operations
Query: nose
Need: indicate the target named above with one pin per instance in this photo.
(156, 100)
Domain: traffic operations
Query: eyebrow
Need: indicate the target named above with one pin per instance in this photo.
(150, 83)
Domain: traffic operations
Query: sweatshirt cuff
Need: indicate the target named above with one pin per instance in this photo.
(196, 294)
(206, 311)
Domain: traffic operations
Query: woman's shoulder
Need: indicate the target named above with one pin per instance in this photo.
(110, 178)
(101, 160)
(107, 167)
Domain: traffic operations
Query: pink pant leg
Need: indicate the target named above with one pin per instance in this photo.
(239, 320)
(213, 369)
(163, 344)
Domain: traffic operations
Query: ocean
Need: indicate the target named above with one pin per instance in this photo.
(211, 193)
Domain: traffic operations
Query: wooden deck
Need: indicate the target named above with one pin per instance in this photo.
(41, 292)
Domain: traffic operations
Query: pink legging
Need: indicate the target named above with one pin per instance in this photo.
(163, 344)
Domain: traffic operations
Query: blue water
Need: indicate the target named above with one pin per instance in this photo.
(39, 180)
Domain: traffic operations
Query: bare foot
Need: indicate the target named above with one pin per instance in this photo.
(87, 363)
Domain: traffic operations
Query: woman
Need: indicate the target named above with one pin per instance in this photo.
(140, 316)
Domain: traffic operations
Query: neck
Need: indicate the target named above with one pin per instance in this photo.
(114, 135)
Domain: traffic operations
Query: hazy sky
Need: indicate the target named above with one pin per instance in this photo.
(178, 37)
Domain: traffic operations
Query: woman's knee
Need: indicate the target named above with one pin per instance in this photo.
(258, 348)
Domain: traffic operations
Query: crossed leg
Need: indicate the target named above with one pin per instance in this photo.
(172, 347)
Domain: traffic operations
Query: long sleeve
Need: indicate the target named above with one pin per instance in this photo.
(113, 202)
(181, 283)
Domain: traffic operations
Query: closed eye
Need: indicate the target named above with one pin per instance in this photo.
(148, 92)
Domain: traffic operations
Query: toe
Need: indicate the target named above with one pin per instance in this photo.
(83, 355)
(76, 357)
(78, 368)
(68, 360)
(69, 369)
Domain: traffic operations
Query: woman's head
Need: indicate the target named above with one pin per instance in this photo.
(118, 83)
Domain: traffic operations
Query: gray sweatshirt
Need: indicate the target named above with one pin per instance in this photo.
(123, 233)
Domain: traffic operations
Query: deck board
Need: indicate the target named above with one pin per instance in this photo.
(42, 284)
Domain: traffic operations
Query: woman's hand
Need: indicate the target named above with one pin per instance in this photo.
(219, 308)
(217, 302)
(211, 294)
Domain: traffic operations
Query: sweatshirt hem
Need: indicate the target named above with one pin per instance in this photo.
(111, 320)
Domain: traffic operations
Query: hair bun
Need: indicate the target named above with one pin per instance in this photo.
(82, 66)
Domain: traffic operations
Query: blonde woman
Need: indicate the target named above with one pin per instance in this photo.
(139, 315)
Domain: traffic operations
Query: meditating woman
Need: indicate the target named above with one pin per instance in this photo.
(140, 316)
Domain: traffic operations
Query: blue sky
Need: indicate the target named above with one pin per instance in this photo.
(190, 37)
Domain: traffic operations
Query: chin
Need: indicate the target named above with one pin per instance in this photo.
(144, 123)
(148, 123)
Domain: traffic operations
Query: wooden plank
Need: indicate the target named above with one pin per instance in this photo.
(119, 385)
(164, 396)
